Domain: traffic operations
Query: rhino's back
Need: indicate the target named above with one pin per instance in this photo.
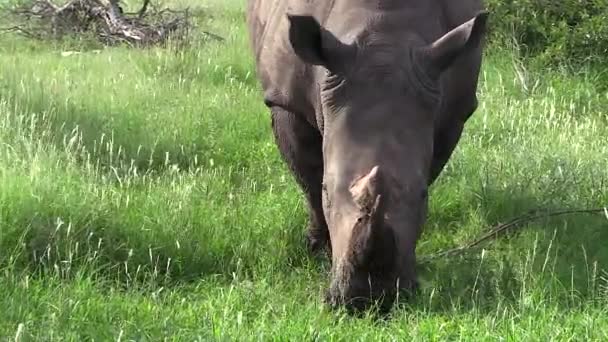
(288, 82)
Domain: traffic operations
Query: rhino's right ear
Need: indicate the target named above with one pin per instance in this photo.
(313, 44)
(440, 55)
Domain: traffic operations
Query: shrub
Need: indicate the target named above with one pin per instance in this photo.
(571, 31)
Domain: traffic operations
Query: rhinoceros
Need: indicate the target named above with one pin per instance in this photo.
(368, 99)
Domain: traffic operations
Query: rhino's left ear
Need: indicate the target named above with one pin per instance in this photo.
(440, 54)
(315, 45)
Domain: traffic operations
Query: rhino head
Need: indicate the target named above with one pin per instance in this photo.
(379, 94)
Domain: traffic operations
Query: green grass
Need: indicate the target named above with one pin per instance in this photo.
(142, 198)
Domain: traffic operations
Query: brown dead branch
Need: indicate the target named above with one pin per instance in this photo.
(19, 30)
(143, 9)
(503, 228)
(104, 19)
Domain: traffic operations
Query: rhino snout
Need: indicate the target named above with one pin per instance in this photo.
(359, 296)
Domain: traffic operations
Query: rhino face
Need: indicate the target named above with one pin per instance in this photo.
(379, 93)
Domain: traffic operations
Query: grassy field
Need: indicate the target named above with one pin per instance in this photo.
(142, 198)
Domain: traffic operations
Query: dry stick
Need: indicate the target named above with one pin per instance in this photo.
(18, 29)
(213, 35)
(143, 9)
(503, 227)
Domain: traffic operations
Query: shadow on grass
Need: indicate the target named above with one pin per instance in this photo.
(151, 249)
(128, 146)
(117, 132)
(558, 259)
(118, 142)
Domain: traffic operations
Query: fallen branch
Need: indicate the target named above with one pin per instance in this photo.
(105, 19)
(18, 30)
(143, 9)
(502, 228)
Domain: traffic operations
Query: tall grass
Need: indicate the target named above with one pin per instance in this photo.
(142, 197)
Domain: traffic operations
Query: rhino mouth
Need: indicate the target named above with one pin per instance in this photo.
(359, 294)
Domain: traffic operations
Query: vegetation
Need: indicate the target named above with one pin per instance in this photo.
(142, 198)
(554, 32)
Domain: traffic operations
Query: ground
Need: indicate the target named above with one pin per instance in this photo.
(142, 198)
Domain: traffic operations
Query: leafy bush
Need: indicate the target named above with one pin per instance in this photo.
(572, 31)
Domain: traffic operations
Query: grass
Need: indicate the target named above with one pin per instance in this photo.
(143, 198)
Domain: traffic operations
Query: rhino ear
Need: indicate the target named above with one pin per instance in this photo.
(313, 44)
(441, 53)
(305, 38)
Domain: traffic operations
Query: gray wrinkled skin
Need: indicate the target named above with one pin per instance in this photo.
(368, 100)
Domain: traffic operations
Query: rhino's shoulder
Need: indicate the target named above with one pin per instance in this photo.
(285, 80)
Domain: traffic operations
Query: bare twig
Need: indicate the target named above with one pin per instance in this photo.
(18, 29)
(143, 9)
(213, 35)
(501, 228)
